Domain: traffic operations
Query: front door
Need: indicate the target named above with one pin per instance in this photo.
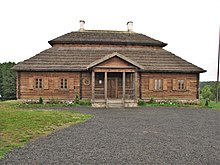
(112, 87)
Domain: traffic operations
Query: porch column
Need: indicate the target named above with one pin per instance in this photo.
(135, 85)
(93, 85)
(106, 81)
(123, 84)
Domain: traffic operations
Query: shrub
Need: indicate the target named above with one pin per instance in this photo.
(141, 102)
(85, 102)
(41, 100)
(54, 101)
(152, 101)
(207, 102)
(77, 99)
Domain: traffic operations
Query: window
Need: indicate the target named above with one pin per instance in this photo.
(38, 83)
(181, 84)
(158, 85)
(63, 83)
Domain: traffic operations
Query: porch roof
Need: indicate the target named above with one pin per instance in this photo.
(114, 54)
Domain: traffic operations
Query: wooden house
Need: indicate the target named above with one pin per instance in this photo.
(106, 67)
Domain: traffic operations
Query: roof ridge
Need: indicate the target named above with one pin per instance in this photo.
(109, 37)
(107, 31)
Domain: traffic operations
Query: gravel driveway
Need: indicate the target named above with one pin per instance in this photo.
(146, 135)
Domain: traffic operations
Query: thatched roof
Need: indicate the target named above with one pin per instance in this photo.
(105, 37)
(153, 59)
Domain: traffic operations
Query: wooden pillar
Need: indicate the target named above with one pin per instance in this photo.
(106, 81)
(140, 85)
(93, 85)
(123, 82)
(135, 85)
(80, 86)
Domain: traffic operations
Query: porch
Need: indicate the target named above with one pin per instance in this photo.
(114, 88)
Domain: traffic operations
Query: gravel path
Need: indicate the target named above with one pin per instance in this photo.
(130, 136)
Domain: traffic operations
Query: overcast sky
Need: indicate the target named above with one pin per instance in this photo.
(190, 27)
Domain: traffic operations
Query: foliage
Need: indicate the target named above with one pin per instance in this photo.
(77, 99)
(211, 104)
(208, 90)
(141, 102)
(207, 102)
(152, 100)
(204, 103)
(54, 101)
(20, 125)
(85, 102)
(7, 81)
(41, 100)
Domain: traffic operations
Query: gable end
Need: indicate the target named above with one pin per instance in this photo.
(110, 56)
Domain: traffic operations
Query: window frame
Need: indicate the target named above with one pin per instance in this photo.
(38, 83)
(158, 84)
(63, 83)
(181, 85)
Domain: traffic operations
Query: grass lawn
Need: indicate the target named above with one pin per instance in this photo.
(19, 125)
(214, 105)
(211, 105)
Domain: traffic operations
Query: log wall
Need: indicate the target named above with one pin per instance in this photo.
(86, 85)
(26, 87)
(169, 86)
(51, 85)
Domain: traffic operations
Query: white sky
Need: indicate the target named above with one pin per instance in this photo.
(190, 27)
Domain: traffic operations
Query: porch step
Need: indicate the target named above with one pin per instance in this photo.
(117, 103)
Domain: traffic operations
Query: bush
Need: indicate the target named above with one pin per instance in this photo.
(141, 102)
(207, 102)
(207, 92)
(53, 101)
(152, 101)
(77, 99)
(84, 102)
(41, 100)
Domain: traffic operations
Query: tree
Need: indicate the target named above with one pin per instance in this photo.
(7, 81)
(214, 91)
(207, 92)
(1, 78)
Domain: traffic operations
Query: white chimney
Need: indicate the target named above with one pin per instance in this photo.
(130, 26)
(81, 24)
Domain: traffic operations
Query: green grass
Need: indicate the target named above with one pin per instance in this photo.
(211, 105)
(19, 125)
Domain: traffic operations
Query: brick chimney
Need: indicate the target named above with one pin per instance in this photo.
(130, 26)
(81, 24)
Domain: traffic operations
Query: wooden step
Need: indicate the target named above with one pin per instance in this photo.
(115, 103)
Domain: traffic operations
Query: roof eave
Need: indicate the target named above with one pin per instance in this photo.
(49, 70)
(176, 71)
(15, 68)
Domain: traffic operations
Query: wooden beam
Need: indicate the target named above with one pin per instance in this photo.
(140, 85)
(135, 85)
(106, 81)
(93, 85)
(113, 70)
(123, 83)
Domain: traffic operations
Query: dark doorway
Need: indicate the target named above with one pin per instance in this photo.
(114, 86)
